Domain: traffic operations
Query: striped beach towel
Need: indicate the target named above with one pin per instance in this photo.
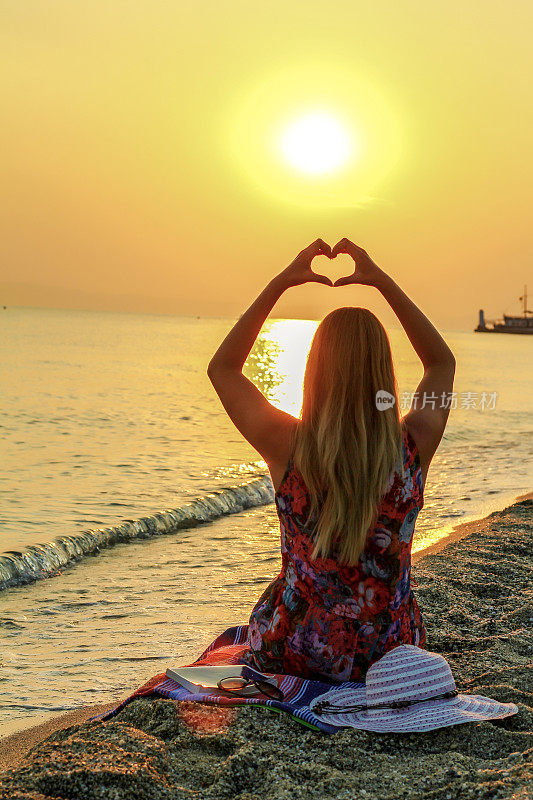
(227, 649)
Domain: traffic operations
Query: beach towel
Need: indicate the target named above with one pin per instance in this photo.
(227, 649)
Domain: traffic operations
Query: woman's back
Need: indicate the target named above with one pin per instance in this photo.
(319, 618)
(324, 619)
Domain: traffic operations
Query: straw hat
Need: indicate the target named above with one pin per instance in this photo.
(419, 694)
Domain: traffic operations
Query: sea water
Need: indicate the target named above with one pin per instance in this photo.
(107, 417)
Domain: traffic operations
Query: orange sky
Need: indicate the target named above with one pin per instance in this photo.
(139, 170)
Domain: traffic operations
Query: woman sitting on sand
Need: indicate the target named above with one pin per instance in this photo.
(349, 477)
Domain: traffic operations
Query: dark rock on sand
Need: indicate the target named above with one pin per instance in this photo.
(476, 598)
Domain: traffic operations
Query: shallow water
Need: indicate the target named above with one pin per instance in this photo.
(116, 619)
(111, 416)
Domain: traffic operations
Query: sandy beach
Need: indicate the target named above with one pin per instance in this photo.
(475, 595)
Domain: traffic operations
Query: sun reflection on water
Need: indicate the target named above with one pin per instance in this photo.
(276, 363)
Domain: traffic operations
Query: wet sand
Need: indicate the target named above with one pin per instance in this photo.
(475, 595)
(462, 530)
(14, 747)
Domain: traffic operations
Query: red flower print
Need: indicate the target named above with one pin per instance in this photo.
(299, 498)
(321, 618)
(374, 596)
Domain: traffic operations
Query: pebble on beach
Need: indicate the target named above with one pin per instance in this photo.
(476, 599)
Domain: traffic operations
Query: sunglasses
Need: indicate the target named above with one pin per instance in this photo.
(237, 683)
(331, 708)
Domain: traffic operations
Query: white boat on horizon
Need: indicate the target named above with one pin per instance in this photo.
(508, 324)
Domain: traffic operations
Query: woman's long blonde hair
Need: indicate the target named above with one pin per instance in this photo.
(344, 447)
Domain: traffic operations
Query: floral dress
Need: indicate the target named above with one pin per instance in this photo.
(322, 619)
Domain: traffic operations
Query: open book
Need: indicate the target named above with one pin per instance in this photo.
(200, 679)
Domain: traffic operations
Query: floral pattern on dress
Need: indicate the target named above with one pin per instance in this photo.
(323, 619)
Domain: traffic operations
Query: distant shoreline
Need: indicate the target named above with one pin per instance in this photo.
(392, 325)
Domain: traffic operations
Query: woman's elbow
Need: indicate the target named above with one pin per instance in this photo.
(444, 364)
(451, 360)
(448, 359)
(211, 370)
(215, 368)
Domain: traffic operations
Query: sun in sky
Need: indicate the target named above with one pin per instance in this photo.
(316, 143)
(312, 135)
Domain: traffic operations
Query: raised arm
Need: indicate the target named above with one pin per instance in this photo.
(426, 420)
(264, 426)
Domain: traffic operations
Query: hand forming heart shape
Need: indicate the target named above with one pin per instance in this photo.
(333, 267)
(300, 271)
